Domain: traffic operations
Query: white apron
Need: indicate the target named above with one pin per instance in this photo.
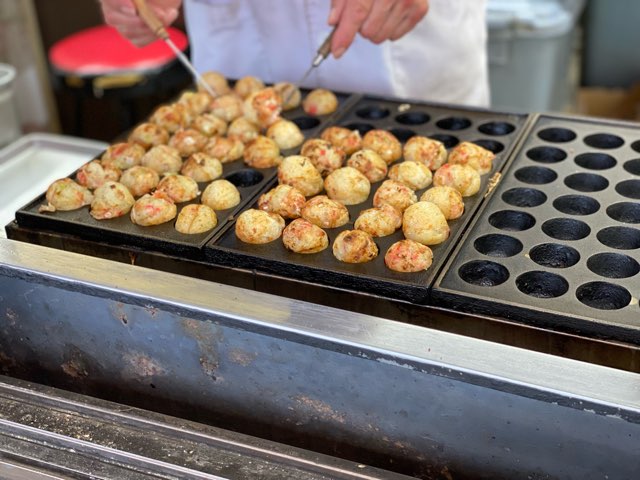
(443, 59)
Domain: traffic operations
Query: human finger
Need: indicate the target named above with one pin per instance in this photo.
(354, 13)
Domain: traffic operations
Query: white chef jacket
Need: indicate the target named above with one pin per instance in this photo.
(442, 59)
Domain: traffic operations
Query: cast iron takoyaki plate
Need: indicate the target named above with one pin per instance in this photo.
(494, 130)
(558, 243)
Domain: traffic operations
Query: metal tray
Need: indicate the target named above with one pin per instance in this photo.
(558, 243)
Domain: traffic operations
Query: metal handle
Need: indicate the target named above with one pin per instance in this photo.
(151, 19)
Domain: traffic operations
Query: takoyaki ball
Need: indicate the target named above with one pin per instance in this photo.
(299, 172)
(324, 155)
(65, 194)
(140, 180)
(258, 226)
(348, 140)
(475, 156)
(196, 218)
(347, 185)
(153, 209)
(123, 155)
(286, 134)
(379, 221)
(163, 159)
(171, 117)
(210, 125)
(425, 223)
(427, 151)
(247, 85)
(290, 94)
(196, 102)
(221, 195)
(413, 174)
(202, 167)
(188, 141)
(262, 153)
(396, 194)
(243, 129)
(284, 200)
(384, 143)
(301, 236)
(217, 82)
(179, 188)
(408, 256)
(463, 178)
(263, 107)
(324, 212)
(354, 246)
(111, 200)
(227, 107)
(448, 199)
(320, 102)
(370, 164)
(94, 174)
(149, 135)
(225, 149)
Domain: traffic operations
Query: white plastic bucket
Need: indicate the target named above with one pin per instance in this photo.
(9, 124)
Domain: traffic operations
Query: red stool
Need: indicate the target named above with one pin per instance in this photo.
(99, 63)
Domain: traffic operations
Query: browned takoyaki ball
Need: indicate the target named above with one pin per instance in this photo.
(196, 218)
(188, 141)
(413, 174)
(217, 82)
(123, 155)
(153, 209)
(163, 159)
(379, 221)
(196, 102)
(111, 200)
(94, 174)
(202, 167)
(263, 107)
(171, 117)
(320, 102)
(354, 246)
(463, 178)
(408, 256)
(225, 149)
(427, 151)
(284, 200)
(290, 94)
(370, 164)
(384, 143)
(210, 125)
(302, 236)
(299, 172)
(178, 188)
(243, 129)
(245, 86)
(140, 180)
(257, 226)
(324, 212)
(286, 134)
(347, 185)
(65, 194)
(221, 195)
(396, 194)
(262, 153)
(348, 140)
(324, 155)
(149, 135)
(227, 107)
(448, 199)
(475, 156)
(424, 222)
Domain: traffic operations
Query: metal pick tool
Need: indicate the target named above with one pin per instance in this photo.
(157, 27)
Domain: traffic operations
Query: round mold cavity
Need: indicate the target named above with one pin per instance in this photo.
(566, 229)
(629, 189)
(557, 135)
(497, 245)
(512, 220)
(625, 212)
(554, 255)
(403, 134)
(542, 284)
(491, 145)
(586, 182)
(524, 197)
(546, 154)
(603, 295)
(576, 205)
(372, 112)
(620, 238)
(361, 127)
(246, 177)
(413, 118)
(636, 145)
(613, 265)
(483, 273)
(595, 161)
(306, 123)
(454, 123)
(604, 140)
(536, 175)
(496, 128)
(449, 141)
(632, 166)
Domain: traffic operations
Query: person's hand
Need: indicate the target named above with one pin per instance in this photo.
(376, 20)
(122, 15)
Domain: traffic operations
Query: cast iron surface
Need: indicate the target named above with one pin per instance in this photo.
(496, 131)
(558, 243)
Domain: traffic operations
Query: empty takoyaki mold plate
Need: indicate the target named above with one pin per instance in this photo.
(558, 243)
